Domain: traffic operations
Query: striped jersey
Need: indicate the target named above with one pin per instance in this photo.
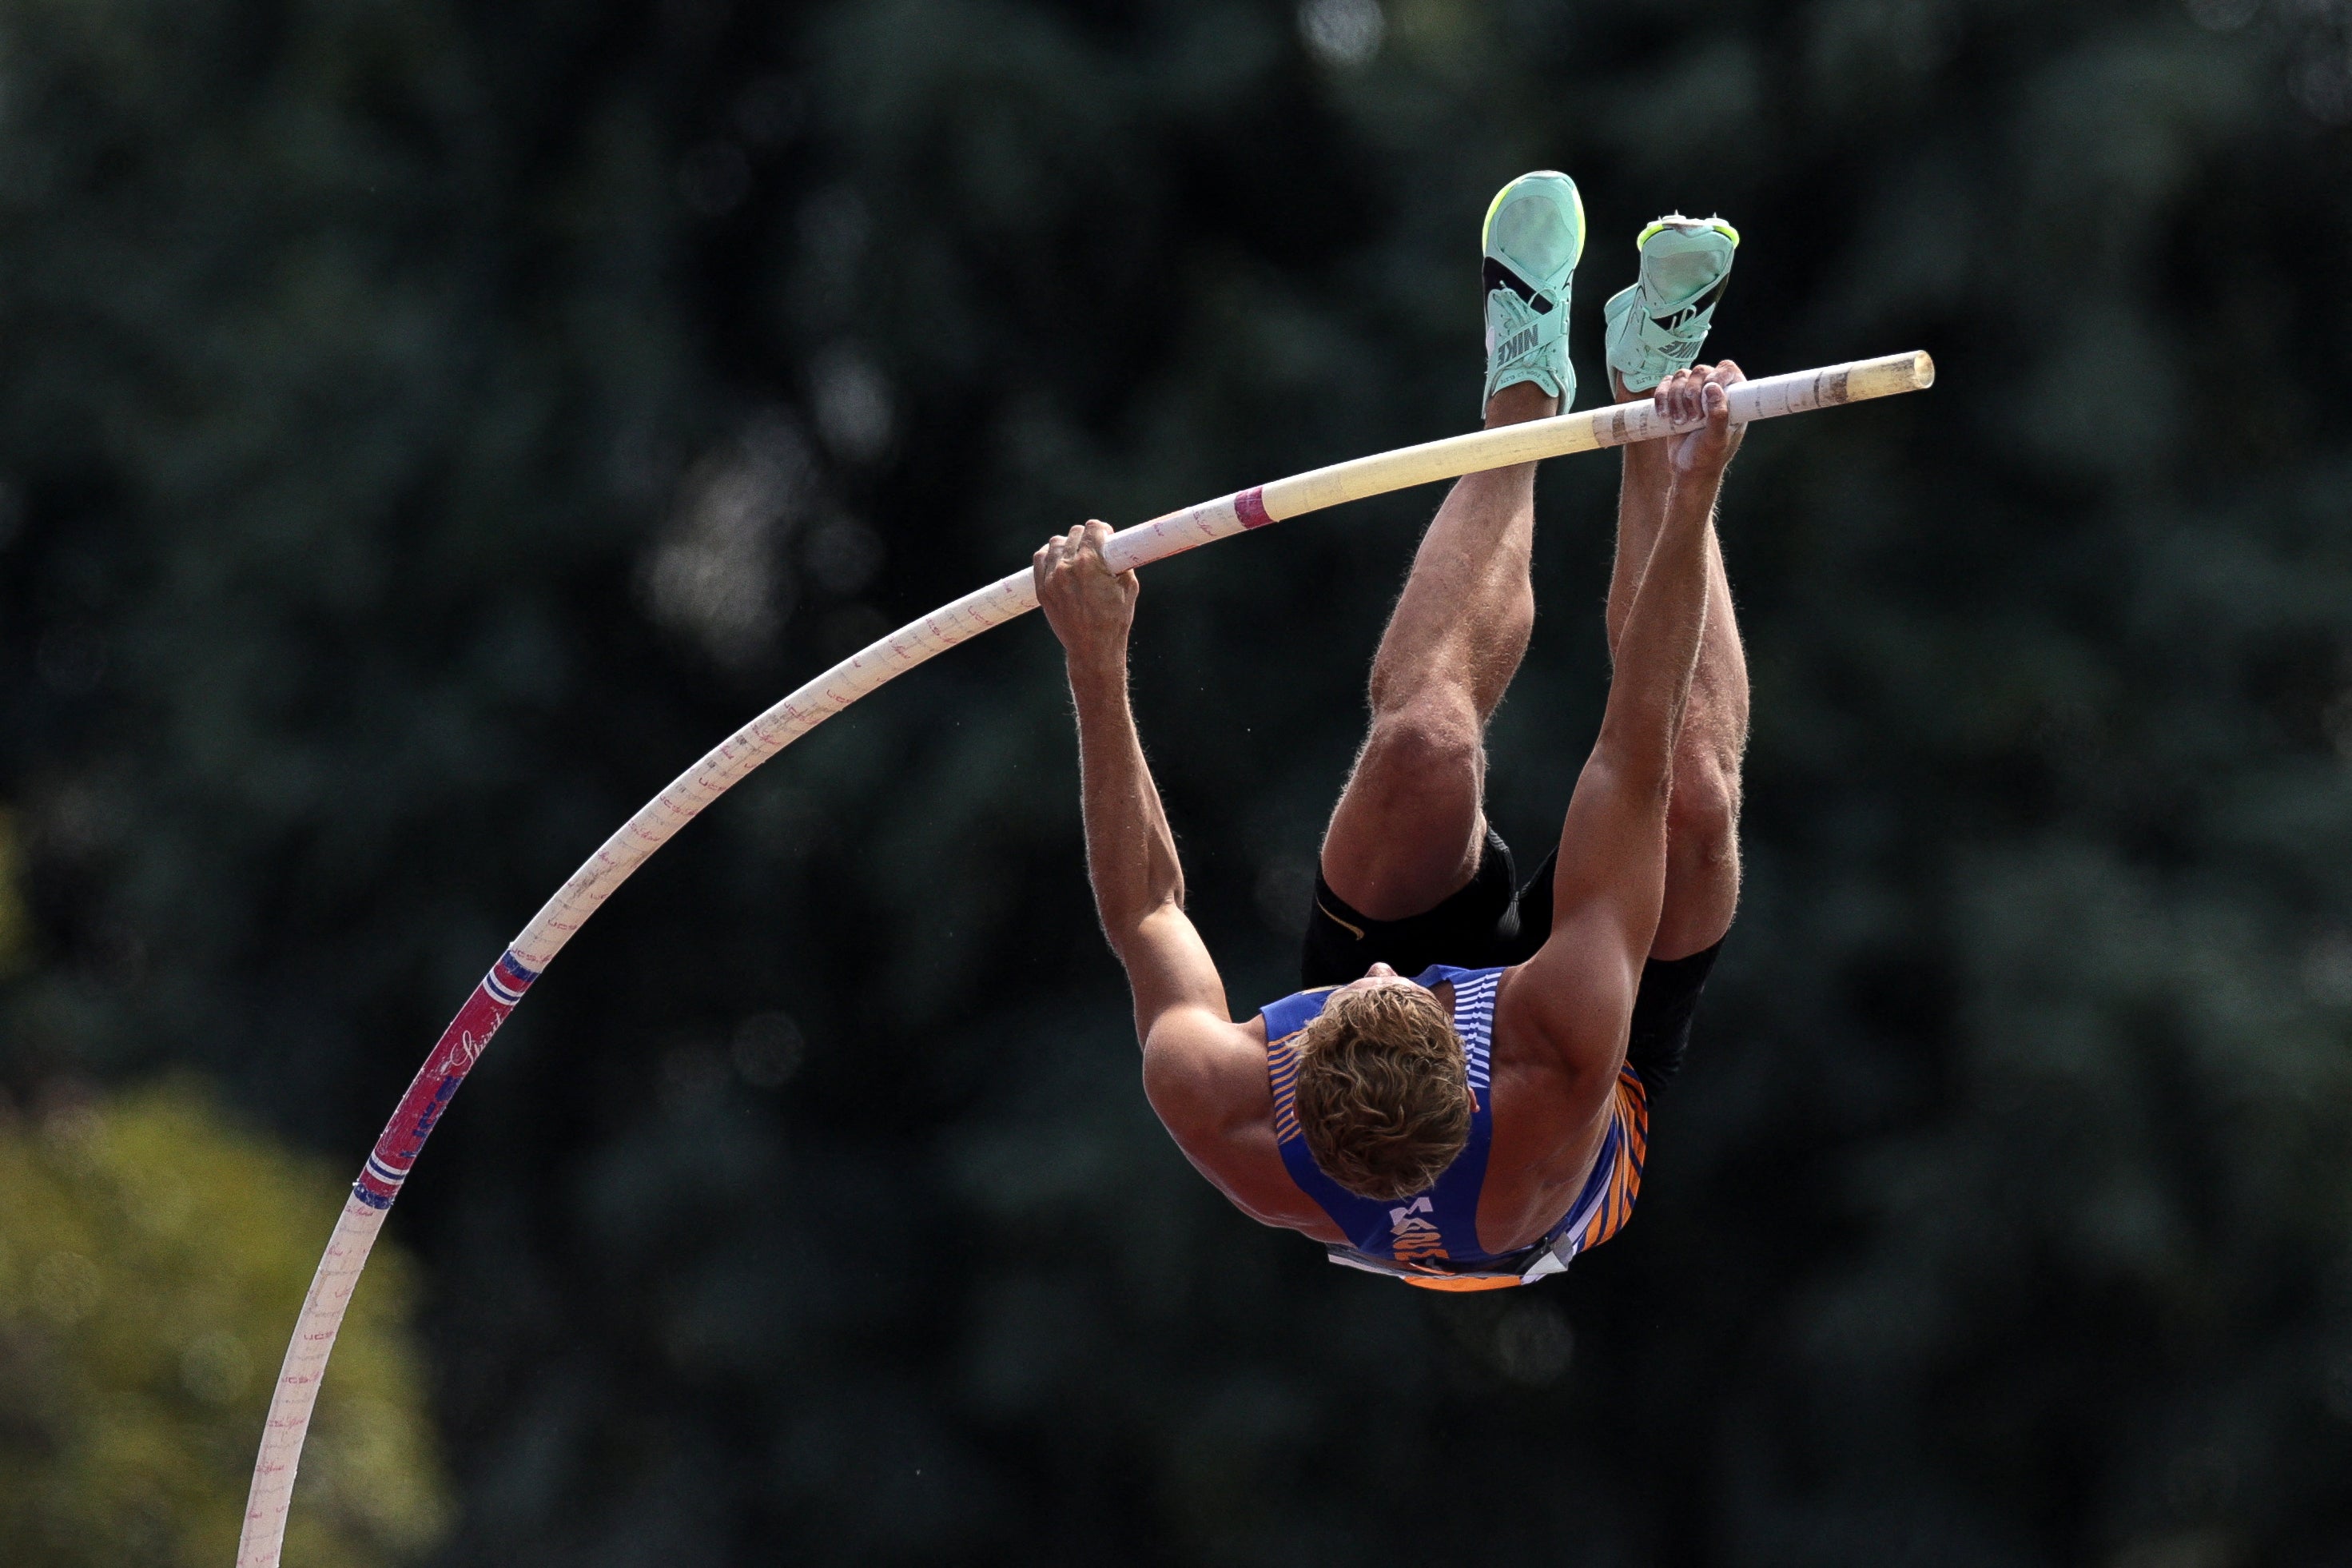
(1431, 1238)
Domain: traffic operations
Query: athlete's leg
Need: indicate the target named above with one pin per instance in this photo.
(1410, 826)
(1654, 328)
(1409, 830)
(1703, 820)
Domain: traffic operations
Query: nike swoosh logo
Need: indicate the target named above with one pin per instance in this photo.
(1355, 930)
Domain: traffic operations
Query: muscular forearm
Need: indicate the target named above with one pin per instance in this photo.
(1131, 853)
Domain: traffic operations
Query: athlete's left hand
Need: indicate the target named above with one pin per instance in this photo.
(1090, 606)
(1701, 393)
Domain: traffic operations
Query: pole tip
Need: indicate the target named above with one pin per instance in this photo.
(1923, 371)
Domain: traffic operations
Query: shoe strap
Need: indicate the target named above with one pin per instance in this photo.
(1498, 275)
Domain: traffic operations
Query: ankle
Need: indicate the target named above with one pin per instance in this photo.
(1519, 402)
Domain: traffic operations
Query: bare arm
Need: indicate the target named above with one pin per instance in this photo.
(1611, 882)
(1139, 883)
(1205, 1075)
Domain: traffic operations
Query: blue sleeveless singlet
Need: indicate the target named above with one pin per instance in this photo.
(1431, 1238)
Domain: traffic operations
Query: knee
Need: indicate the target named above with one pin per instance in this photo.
(1428, 734)
(1703, 815)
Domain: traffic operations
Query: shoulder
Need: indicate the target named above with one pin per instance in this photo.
(1207, 1079)
(1204, 1074)
(1208, 1083)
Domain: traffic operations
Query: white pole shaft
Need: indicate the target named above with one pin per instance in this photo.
(1016, 595)
(862, 673)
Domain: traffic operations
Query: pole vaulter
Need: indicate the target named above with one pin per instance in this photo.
(461, 1044)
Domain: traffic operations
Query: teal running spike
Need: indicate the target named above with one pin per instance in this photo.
(1533, 237)
(1657, 326)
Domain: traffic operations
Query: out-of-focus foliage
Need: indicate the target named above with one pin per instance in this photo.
(426, 427)
(150, 1259)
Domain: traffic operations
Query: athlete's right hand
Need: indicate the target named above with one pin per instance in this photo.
(1090, 606)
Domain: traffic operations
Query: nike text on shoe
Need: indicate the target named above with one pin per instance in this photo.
(1533, 237)
(1657, 326)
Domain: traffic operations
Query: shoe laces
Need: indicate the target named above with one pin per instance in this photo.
(1516, 315)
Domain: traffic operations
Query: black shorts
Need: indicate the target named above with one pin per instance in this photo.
(1490, 924)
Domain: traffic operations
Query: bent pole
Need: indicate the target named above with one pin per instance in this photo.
(461, 1044)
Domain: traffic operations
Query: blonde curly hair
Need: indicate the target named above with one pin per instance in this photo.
(1383, 1092)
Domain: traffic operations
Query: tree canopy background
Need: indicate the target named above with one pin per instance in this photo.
(139, 1323)
(426, 427)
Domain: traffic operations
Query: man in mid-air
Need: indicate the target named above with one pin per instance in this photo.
(1480, 1124)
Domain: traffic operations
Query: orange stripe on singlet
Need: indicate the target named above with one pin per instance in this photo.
(1631, 1107)
(1282, 1071)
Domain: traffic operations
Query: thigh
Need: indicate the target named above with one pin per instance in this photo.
(1409, 831)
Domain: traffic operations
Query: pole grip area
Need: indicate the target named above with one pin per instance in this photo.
(1612, 424)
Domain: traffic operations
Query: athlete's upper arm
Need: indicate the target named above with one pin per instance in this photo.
(1608, 888)
(1206, 1078)
(1169, 967)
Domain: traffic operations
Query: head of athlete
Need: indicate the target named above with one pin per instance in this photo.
(1382, 1095)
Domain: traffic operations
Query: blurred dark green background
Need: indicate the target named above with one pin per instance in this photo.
(426, 428)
